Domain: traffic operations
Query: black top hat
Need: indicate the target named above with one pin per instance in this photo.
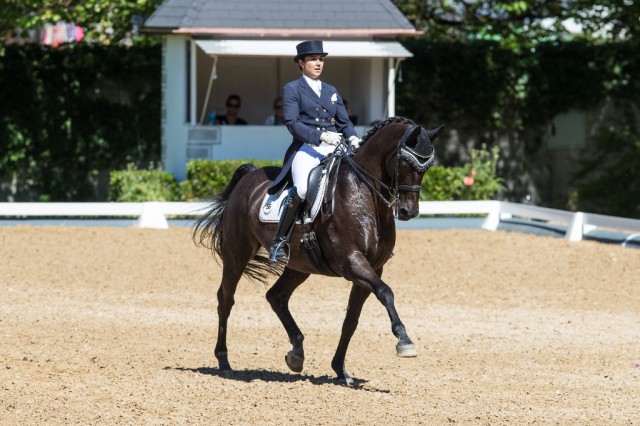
(311, 47)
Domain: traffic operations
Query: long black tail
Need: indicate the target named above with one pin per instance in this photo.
(207, 231)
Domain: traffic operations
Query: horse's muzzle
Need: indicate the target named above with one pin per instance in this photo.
(406, 214)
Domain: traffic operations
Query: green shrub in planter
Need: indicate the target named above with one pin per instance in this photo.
(475, 180)
(441, 183)
(142, 185)
(207, 178)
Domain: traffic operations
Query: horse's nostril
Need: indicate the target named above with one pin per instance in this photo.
(407, 213)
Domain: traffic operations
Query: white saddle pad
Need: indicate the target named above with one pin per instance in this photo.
(271, 205)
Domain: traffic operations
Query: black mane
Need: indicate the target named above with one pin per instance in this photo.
(380, 124)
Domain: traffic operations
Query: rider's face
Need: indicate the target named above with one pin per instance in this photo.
(312, 66)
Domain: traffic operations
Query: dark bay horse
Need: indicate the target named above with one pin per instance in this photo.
(379, 182)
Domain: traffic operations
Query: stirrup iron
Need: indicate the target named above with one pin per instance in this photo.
(291, 207)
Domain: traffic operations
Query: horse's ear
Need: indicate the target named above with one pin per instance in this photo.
(411, 136)
(433, 134)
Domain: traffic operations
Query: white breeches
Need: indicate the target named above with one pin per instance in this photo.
(307, 157)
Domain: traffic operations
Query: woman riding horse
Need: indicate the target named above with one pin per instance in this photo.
(317, 118)
(379, 183)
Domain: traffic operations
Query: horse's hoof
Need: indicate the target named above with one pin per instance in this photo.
(295, 362)
(223, 362)
(348, 381)
(406, 350)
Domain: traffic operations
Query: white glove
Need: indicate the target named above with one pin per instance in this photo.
(332, 138)
(355, 142)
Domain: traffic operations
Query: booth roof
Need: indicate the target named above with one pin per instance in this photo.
(281, 18)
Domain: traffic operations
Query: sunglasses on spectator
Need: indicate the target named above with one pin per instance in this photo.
(233, 105)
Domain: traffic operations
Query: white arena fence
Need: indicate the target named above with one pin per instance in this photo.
(150, 214)
(154, 214)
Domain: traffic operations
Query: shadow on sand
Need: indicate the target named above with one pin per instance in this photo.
(274, 376)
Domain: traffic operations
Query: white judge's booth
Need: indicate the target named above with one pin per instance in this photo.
(199, 74)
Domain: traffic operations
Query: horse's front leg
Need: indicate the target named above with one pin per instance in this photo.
(278, 296)
(356, 300)
(360, 272)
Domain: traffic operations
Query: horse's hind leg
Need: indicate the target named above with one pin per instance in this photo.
(231, 273)
(278, 297)
(356, 300)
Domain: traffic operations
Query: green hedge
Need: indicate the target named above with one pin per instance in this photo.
(475, 180)
(69, 114)
(142, 185)
(206, 178)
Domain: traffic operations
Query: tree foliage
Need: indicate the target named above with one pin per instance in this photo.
(517, 23)
(501, 71)
(104, 21)
(616, 190)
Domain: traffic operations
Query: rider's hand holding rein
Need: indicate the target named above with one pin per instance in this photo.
(332, 138)
(355, 142)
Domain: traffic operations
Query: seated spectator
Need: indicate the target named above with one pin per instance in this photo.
(231, 117)
(276, 118)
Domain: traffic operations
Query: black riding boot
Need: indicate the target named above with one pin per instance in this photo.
(290, 208)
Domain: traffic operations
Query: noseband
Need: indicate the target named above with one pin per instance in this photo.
(419, 162)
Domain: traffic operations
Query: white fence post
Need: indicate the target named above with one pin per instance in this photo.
(576, 228)
(492, 220)
(152, 216)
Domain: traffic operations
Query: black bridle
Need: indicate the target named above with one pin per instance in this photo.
(420, 163)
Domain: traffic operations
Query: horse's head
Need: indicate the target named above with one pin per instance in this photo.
(393, 158)
(413, 157)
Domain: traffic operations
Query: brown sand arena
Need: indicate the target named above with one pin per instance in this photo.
(106, 326)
